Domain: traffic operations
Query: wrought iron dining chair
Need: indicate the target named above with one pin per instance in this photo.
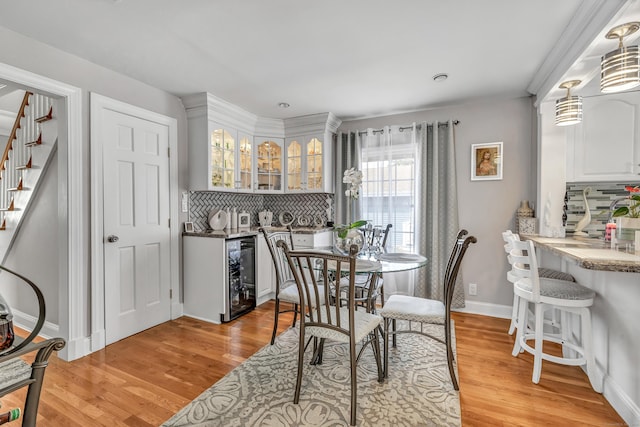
(369, 286)
(340, 321)
(16, 373)
(427, 311)
(286, 290)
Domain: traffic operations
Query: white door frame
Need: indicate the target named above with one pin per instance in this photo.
(71, 248)
(99, 103)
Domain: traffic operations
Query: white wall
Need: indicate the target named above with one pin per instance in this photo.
(486, 208)
(27, 54)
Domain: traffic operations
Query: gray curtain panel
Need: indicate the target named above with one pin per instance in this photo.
(439, 209)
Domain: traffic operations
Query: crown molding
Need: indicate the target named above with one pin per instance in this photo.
(217, 109)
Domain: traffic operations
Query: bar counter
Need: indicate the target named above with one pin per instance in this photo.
(591, 254)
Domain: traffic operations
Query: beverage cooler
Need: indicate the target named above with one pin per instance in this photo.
(240, 290)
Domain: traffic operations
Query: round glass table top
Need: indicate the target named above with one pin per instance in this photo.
(384, 262)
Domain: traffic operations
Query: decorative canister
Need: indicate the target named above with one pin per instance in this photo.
(524, 211)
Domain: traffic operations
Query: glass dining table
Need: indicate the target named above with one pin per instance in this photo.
(369, 271)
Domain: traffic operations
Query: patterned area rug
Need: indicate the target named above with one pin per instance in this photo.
(260, 392)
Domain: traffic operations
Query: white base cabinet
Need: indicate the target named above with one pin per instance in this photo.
(312, 240)
(266, 274)
(204, 273)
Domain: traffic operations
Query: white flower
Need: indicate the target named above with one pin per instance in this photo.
(353, 177)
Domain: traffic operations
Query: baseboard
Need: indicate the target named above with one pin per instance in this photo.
(75, 349)
(486, 309)
(621, 402)
(177, 310)
(98, 340)
(28, 322)
(204, 319)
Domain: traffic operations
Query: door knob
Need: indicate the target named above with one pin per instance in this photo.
(112, 238)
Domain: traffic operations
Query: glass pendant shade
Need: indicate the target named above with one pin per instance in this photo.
(568, 110)
(620, 69)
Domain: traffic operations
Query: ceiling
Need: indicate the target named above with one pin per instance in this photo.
(355, 58)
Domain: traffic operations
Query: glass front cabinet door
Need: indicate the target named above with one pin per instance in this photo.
(231, 159)
(268, 159)
(305, 164)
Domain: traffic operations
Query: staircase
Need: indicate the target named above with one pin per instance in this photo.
(30, 145)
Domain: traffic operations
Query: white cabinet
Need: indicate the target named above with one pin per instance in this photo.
(204, 273)
(220, 145)
(606, 145)
(226, 155)
(310, 142)
(269, 160)
(312, 240)
(266, 274)
(307, 164)
(230, 168)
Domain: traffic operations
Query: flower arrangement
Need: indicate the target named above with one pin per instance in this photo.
(343, 230)
(353, 177)
(633, 210)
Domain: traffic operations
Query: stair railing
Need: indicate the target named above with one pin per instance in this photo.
(16, 157)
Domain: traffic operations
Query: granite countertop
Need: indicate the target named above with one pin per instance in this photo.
(591, 254)
(253, 231)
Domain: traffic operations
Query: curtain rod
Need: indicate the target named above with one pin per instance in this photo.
(402, 128)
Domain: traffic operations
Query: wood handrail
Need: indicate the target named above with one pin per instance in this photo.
(16, 126)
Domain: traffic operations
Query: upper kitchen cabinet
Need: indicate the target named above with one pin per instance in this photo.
(310, 144)
(305, 164)
(221, 146)
(606, 145)
(269, 165)
(231, 159)
(231, 149)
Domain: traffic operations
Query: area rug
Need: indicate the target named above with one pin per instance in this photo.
(260, 392)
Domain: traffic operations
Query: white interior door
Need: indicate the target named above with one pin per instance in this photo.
(136, 224)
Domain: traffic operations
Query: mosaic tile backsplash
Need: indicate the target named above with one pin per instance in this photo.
(311, 205)
(599, 199)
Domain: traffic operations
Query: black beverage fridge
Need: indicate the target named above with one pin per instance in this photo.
(241, 280)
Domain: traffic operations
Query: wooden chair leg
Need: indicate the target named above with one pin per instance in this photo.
(514, 314)
(522, 326)
(539, 338)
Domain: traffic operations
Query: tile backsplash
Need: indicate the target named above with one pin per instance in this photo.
(599, 199)
(202, 202)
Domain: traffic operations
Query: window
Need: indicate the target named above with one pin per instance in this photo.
(389, 187)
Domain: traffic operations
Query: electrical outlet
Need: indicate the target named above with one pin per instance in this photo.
(473, 289)
(185, 201)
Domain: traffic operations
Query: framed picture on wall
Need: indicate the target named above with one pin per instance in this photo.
(486, 161)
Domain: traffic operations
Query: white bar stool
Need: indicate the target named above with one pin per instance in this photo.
(545, 294)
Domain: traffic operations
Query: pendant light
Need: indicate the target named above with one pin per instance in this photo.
(620, 68)
(569, 108)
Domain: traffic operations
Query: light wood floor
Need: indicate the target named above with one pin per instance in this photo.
(143, 380)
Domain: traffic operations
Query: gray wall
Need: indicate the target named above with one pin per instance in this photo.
(486, 207)
(27, 54)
